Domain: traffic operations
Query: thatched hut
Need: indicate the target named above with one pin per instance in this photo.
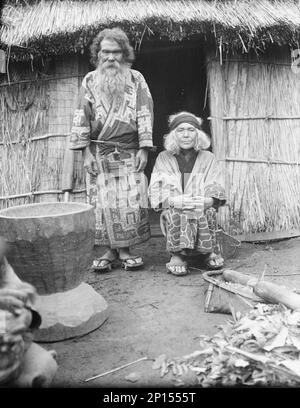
(227, 61)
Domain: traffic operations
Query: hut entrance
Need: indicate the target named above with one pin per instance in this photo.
(176, 75)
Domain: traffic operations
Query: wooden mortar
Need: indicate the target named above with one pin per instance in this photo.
(51, 247)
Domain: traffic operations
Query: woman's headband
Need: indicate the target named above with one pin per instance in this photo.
(185, 118)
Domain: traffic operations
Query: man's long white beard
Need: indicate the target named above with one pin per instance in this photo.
(111, 81)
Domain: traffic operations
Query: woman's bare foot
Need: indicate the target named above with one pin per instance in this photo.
(214, 261)
(176, 259)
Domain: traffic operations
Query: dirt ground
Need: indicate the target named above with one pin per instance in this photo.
(153, 313)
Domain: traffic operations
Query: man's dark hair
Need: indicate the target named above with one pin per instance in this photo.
(114, 34)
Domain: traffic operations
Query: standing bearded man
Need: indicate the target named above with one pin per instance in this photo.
(113, 127)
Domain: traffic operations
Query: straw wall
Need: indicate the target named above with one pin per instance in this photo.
(36, 121)
(255, 117)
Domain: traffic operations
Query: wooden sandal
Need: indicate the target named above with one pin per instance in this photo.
(132, 262)
(210, 262)
(106, 267)
(178, 270)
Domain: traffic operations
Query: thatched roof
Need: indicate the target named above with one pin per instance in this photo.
(64, 26)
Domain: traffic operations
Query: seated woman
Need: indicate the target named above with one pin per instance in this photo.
(186, 184)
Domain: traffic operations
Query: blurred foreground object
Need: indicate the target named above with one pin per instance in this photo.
(22, 363)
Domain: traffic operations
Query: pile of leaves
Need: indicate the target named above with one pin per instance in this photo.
(261, 348)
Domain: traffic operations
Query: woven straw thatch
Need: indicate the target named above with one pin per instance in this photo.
(58, 27)
(256, 126)
(35, 121)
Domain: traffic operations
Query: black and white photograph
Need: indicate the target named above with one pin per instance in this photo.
(149, 197)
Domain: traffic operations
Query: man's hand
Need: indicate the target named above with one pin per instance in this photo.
(141, 159)
(89, 162)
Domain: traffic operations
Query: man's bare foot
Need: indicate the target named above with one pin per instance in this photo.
(130, 261)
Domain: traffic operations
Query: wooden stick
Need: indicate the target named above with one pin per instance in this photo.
(39, 193)
(272, 161)
(269, 236)
(252, 356)
(266, 117)
(208, 297)
(250, 62)
(48, 135)
(33, 139)
(116, 369)
(67, 180)
(245, 301)
(261, 278)
(229, 288)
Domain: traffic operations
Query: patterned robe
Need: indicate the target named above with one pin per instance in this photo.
(118, 193)
(192, 230)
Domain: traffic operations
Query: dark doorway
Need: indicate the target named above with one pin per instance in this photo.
(176, 75)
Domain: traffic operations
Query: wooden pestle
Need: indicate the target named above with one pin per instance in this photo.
(273, 293)
(268, 291)
(238, 277)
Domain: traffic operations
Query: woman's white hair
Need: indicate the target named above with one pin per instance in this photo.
(171, 144)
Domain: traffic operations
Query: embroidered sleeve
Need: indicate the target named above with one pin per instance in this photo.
(144, 110)
(163, 186)
(81, 128)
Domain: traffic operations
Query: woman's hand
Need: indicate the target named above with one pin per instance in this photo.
(196, 203)
(186, 202)
(191, 203)
(207, 202)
